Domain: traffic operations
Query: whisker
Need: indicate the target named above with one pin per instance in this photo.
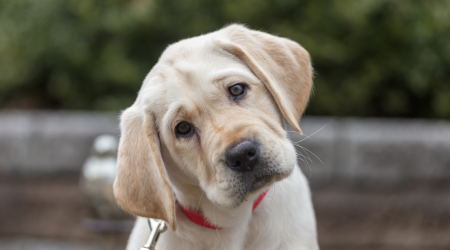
(198, 206)
(303, 161)
(307, 163)
(311, 153)
(215, 222)
(304, 158)
(309, 136)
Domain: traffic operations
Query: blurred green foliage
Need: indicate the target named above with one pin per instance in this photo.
(371, 57)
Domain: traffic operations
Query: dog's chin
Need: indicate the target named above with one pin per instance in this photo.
(260, 183)
(257, 185)
(243, 187)
(241, 195)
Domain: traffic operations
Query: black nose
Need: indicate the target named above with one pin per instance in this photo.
(243, 156)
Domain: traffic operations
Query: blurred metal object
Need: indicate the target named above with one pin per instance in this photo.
(156, 228)
(97, 177)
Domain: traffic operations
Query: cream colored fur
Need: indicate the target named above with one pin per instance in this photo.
(190, 83)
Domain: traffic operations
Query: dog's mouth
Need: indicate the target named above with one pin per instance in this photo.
(260, 182)
(244, 184)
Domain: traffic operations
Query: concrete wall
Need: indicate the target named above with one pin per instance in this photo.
(376, 151)
(49, 142)
(351, 151)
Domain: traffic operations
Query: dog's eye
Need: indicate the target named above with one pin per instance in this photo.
(237, 90)
(183, 128)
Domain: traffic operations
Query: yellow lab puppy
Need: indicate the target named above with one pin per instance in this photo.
(205, 143)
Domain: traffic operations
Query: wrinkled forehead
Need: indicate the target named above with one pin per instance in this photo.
(190, 74)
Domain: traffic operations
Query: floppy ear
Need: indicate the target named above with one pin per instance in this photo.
(281, 64)
(141, 186)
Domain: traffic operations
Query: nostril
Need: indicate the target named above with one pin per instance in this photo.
(242, 156)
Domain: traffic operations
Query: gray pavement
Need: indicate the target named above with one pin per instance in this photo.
(31, 243)
(25, 243)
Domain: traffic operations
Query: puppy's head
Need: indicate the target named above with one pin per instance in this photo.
(216, 104)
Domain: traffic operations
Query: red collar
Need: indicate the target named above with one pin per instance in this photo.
(198, 218)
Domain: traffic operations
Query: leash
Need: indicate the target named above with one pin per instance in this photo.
(156, 228)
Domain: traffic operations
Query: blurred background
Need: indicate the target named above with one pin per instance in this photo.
(378, 152)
